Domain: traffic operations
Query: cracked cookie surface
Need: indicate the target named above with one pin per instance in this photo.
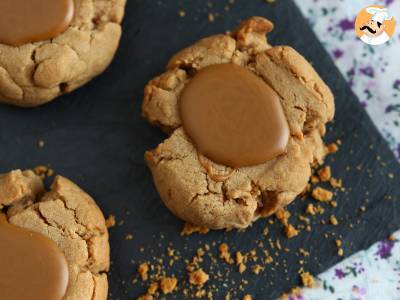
(69, 217)
(235, 198)
(36, 73)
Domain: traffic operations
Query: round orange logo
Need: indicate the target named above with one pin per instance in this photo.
(375, 25)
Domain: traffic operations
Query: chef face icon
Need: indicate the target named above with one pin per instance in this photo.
(375, 25)
(373, 28)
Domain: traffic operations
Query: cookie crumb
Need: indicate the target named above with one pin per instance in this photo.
(256, 269)
(335, 183)
(333, 220)
(129, 237)
(332, 148)
(143, 270)
(211, 17)
(239, 258)
(340, 252)
(189, 229)
(224, 253)
(198, 277)
(43, 171)
(290, 231)
(242, 268)
(324, 174)
(182, 13)
(247, 297)
(391, 238)
(310, 209)
(152, 289)
(40, 143)
(283, 216)
(168, 284)
(307, 279)
(322, 194)
(110, 221)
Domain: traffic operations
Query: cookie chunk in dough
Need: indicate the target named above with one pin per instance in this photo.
(230, 194)
(62, 46)
(66, 226)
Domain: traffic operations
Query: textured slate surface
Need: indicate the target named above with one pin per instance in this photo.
(97, 138)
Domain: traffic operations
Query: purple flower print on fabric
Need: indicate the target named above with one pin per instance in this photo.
(385, 249)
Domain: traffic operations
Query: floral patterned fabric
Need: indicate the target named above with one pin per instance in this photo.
(367, 275)
(373, 72)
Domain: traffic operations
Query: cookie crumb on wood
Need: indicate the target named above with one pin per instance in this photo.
(322, 194)
(168, 284)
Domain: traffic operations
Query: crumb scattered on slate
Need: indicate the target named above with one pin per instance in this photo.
(218, 268)
(189, 229)
(40, 143)
(43, 171)
(110, 221)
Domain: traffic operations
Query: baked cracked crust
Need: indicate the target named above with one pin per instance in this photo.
(69, 217)
(242, 196)
(36, 73)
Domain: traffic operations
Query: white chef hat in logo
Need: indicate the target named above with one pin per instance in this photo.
(379, 14)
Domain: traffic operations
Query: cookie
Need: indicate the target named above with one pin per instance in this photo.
(217, 196)
(67, 216)
(60, 56)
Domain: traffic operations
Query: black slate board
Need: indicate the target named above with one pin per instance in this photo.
(96, 137)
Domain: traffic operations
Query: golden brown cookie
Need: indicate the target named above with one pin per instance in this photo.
(204, 193)
(69, 217)
(36, 73)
